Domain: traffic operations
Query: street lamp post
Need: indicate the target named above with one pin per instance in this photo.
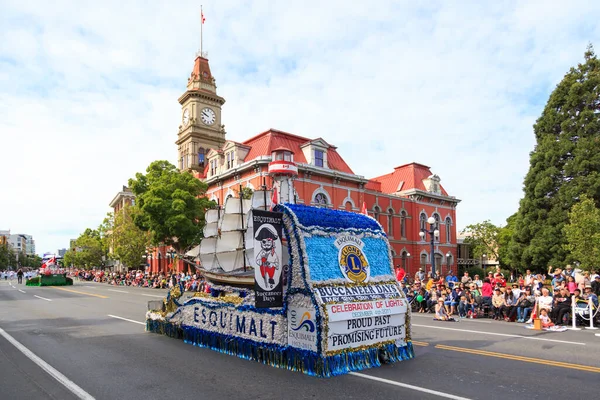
(433, 233)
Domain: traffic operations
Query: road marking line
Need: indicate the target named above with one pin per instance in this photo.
(90, 287)
(77, 291)
(520, 358)
(66, 382)
(153, 295)
(404, 385)
(22, 291)
(500, 334)
(127, 319)
(40, 297)
(417, 343)
(118, 291)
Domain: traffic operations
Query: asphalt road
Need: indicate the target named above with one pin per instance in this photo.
(89, 339)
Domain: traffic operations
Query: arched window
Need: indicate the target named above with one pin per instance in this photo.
(438, 263)
(376, 212)
(448, 230)
(320, 199)
(390, 222)
(423, 221)
(404, 260)
(403, 224)
(436, 216)
(424, 260)
(201, 157)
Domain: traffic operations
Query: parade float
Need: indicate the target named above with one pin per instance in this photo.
(50, 274)
(304, 288)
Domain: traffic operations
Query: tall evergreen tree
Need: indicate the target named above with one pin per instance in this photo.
(564, 164)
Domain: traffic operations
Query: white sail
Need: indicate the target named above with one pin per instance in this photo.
(232, 222)
(231, 260)
(208, 246)
(209, 261)
(229, 241)
(211, 230)
(233, 206)
(259, 197)
(211, 216)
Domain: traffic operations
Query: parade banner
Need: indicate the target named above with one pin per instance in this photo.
(230, 322)
(346, 311)
(359, 332)
(374, 291)
(364, 323)
(268, 262)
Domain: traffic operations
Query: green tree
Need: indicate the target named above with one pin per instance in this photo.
(564, 164)
(504, 238)
(129, 242)
(246, 193)
(89, 250)
(582, 233)
(171, 204)
(7, 256)
(483, 239)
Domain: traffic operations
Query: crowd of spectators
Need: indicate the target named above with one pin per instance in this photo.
(191, 282)
(512, 300)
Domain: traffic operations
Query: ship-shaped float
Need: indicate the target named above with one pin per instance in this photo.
(304, 288)
(227, 250)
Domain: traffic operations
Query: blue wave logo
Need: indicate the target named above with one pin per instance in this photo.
(305, 323)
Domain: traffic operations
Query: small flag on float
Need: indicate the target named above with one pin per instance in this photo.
(274, 201)
(363, 210)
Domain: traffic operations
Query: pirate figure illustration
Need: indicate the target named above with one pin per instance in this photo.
(267, 258)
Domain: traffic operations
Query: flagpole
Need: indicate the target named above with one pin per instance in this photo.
(201, 23)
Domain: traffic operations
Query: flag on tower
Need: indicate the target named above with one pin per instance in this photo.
(274, 198)
(202, 16)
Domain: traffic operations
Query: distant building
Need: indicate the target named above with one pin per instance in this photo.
(19, 243)
(29, 245)
(62, 252)
(123, 198)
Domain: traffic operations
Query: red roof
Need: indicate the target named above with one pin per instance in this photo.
(405, 177)
(264, 143)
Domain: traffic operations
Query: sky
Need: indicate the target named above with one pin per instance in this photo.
(88, 92)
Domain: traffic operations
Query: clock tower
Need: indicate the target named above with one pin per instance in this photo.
(200, 128)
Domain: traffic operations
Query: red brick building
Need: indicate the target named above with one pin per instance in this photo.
(401, 200)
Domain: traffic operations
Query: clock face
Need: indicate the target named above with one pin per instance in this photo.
(208, 116)
(186, 117)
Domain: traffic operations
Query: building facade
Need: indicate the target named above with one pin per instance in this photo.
(401, 201)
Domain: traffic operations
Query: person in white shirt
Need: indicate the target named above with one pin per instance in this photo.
(516, 291)
(528, 278)
(545, 300)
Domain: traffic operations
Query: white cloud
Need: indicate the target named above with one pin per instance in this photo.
(88, 92)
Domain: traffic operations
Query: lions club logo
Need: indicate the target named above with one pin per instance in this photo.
(353, 262)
